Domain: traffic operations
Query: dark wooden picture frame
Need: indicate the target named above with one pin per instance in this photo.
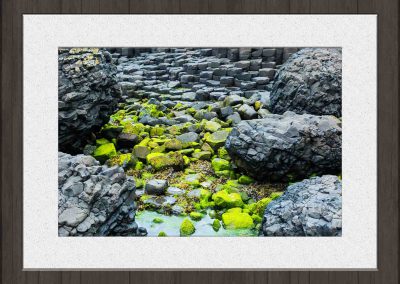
(388, 135)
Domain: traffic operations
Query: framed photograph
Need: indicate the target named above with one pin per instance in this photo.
(214, 147)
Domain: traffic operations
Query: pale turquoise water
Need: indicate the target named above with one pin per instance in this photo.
(172, 223)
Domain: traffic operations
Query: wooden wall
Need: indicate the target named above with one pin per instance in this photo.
(11, 138)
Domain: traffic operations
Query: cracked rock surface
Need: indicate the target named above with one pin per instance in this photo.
(86, 95)
(312, 207)
(288, 146)
(309, 82)
(94, 200)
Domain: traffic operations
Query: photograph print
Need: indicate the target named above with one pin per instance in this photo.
(200, 142)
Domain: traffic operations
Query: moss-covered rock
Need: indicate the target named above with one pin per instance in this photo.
(243, 179)
(237, 220)
(104, 152)
(173, 144)
(196, 216)
(202, 155)
(223, 199)
(212, 126)
(156, 131)
(141, 152)
(158, 220)
(216, 139)
(134, 128)
(223, 154)
(161, 161)
(187, 228)
(162, 234)
(219, 164)
(122, 159)
(101, 141)
(216, 225)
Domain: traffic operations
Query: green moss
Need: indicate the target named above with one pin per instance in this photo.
(212, 126)
(245, 179)
(257, 105)
(187, 228)
(102, 141)
(223, 154)
(219, 164)
(139, 183)
(147, 175)
(258, 208)
(122, 159)
(144, 197)
(202, 155)
(216, 139)
(161, 161)
(196, 216)
(256, 218)
(158, 220)
(156, 131)
(173, 144)
(104, 152)
(223, 199)
(216, 225)
(141, 152)
(275, 195)
(237, 220)
(139, 165)
(162, 234)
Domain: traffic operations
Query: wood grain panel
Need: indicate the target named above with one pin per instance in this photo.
(11, 142)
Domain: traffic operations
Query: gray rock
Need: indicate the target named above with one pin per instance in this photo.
(126, 140)
(175, 191)
(188, 137)
(289, 146)
(94, 200)
(156, 186)
(85, 93)
(247, 112)
(312, 207)
(309, 82)
(233, 100)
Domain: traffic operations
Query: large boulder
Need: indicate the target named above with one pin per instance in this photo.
(312, 207)
(94, 200)
(86, 95)
(309, 82)
(286, 147)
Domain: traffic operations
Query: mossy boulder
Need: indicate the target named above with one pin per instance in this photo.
(162, 234)
(122, 160)
(196, 216)
(141, 152)
(161, 161)
(245, 179)
(258, 208)
(223, 154)
(134, 128)
(173, 144)
(216, 139)
(212, 126)
(219, 164)
(202, 155)
(216, 225)
(223, 199)
(101, 141)
(104, 152)
(237, 220)
(156, 131)
(158, 220)
(187, 228)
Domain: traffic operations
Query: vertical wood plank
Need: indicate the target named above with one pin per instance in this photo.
(193, 6)
(319, 6)
(278, 6)
(388, 132)
(299, 6)
(224, 6)
(119, 6)
(90, 6)
(159, 277)
(254, 6)
(71, 6)
(154, 6)
(343, 6)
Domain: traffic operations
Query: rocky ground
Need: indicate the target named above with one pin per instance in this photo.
(192, 133)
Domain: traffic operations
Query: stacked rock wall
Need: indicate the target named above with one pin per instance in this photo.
(94, 200)
(86, 96)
